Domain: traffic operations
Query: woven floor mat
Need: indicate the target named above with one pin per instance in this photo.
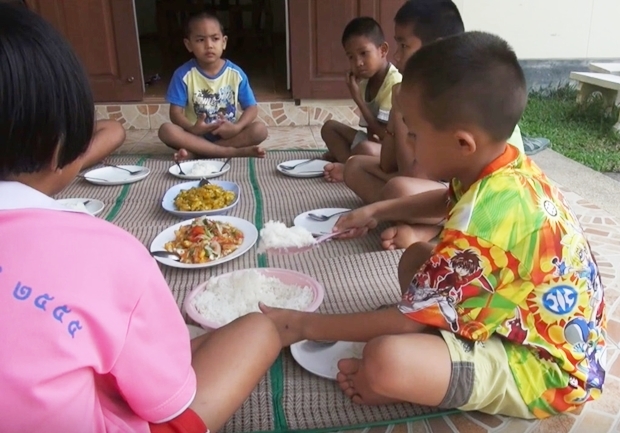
(356, 275)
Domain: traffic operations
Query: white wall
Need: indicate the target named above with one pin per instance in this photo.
(549, 29)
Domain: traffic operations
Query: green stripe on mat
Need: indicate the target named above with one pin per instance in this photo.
(276, 372)
(118, 203)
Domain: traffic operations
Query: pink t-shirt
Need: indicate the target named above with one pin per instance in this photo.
(92, 339)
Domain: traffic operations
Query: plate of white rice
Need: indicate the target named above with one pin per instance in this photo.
(200, 169)
(224, 298)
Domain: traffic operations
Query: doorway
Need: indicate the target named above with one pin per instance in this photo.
(257, 42)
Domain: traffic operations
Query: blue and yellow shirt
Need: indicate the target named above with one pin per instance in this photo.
(215, 96)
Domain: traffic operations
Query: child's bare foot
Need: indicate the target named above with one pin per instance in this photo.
(353, 382)
(182, 155)
(334, 172)
(327, 156)
(398, 236)
(252, 152)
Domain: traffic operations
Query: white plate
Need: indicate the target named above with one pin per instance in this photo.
(94, 207)
(323, 360)
(116, 176)
(312, 169)
(319, 228)
(188, 165)
(250, 235)
(169, 206)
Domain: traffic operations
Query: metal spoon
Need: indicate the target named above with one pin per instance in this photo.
(131, 172)
(204, 182)
(317, 217)
(166, 255)
(222, 167)
(181, 172)
(292, 167)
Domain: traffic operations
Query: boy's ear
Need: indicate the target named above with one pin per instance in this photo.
(187, 45)
(224, 41)
(466, 142)
(384, 48)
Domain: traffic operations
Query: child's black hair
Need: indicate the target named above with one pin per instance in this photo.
(46, 104)
(199, 17)
(430, 19)
(364, 26)
(469, 79)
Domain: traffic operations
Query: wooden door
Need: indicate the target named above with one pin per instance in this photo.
(318, 62)
(103, 33)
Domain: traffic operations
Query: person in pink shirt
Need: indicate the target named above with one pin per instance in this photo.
(92, 337)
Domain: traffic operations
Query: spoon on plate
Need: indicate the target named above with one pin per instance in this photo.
(131, 172)
(166, 255)
(181, 172)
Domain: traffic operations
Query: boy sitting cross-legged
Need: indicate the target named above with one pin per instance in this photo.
(506, 314)
(204, 94)
(370, 83)
(395, 172)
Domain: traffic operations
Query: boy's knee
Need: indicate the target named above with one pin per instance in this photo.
(165, 131)
(395, 187)
(258, 132)
(365, 147)
(379, 356)
(329, 126)
(351, 169)
(261, 325)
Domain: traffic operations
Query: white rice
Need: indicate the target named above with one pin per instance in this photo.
(228, 298)
(275, 234)
(76, 205)
(202, 168)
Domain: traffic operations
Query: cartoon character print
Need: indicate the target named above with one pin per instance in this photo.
(442, 281)
(577, 258)
(516, 332)
(216, 106)
(583, 336)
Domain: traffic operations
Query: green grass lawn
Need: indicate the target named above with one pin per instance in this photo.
(582, 133)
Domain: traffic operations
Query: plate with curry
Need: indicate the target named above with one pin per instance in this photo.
(190, 199)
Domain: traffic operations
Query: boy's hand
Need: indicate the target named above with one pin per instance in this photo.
(226, 129)
(288, 323)
(358, 222)
(201, 127)
(353, 85)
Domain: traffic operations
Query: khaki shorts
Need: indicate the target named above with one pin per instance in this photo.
(359, 137)
(481, 378)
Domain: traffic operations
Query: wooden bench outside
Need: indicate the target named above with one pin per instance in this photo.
(607, 84)
(605, 68)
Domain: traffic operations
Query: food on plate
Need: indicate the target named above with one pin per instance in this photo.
(276, 235)
(204, 241)
(201, 198)
(76, 205)
(229, 297)
(202, 168)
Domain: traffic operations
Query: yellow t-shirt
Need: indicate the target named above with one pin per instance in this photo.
(381, 105)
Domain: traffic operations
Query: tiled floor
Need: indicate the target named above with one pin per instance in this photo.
(604, 234)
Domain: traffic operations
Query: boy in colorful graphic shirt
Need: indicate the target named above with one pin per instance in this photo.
(204, 94)
(507, 311)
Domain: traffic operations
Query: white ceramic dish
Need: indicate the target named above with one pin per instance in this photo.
(92, 206)
(250, 236)
(322, 360)
(318, 228)
(187, 166)
(168, 201)
(108, 176)
(314, 168)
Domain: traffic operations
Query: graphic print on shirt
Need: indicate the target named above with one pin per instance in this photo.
(443, 282)
(216, 106)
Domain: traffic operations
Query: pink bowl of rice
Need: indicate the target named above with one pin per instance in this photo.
(222, 299)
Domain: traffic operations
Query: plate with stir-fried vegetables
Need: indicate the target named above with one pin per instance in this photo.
(205, 241)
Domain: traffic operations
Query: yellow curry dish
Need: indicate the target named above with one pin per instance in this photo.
(204, 241)
(203, 198)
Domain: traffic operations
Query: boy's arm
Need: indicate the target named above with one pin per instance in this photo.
(249, 115)
(404, 151)
(295, 326)
(177, 116)
(423, 208)
(387, 159)
(375, 127)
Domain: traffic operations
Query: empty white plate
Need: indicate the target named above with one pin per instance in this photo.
(304, 168)
(116, 176)
(205, 169)
(92, 206)
(319, 228)
(321, 359)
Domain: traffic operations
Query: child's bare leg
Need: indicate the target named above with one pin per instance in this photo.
(252, 135)
(396, 368)
(334, 172)
(363, 175)
(403, 235)
(338, 138)
(229, 363)
(186, 143)
(109, 135)
(411, 261)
